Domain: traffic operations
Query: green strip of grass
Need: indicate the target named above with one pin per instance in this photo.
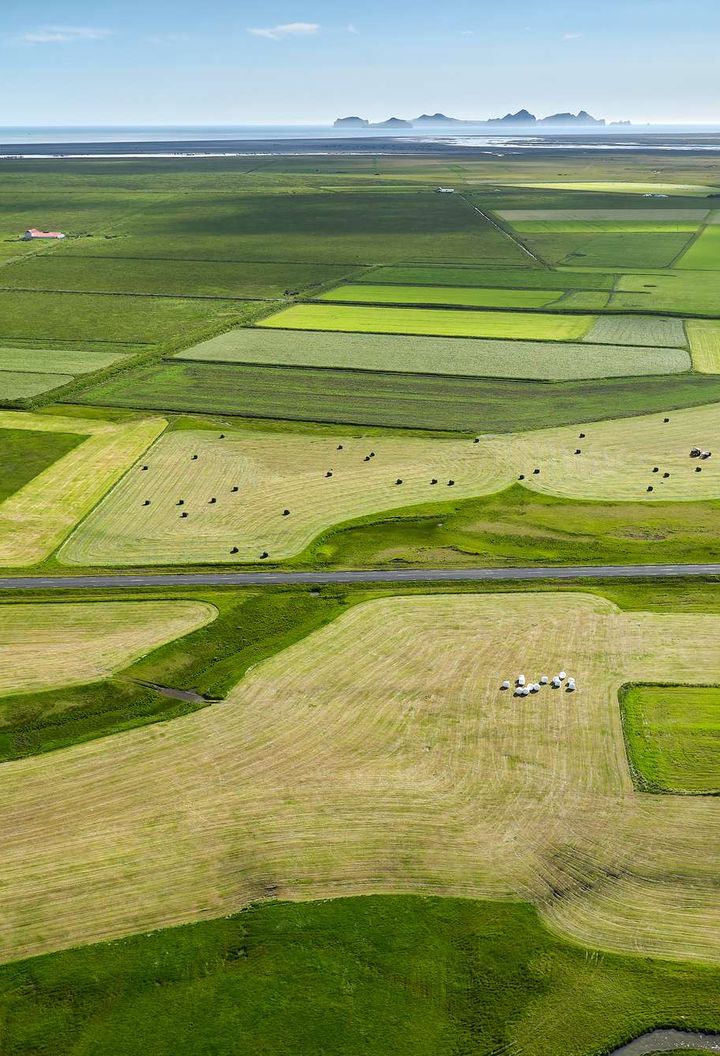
(412, 401)
(672, 735)
(375, 975)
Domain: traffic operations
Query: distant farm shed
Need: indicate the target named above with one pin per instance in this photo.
(33, 232)
(446, 190)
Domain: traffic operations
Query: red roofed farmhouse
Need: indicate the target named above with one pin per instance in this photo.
(32, 232)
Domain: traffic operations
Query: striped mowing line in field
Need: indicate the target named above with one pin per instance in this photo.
(56, 361)
(380, 754)
(704, 336)
(650, 331)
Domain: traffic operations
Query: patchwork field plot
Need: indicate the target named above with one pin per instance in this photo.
(415, 401)
(48, 645)
(456, 323)
(22, 385)
(552, 361)
(142, 520)
(35, 518)
(650, 331)
(651, 215)
(450, 295)
(168, 277)
(56, 361)
(683, 292)
(379, 754)
(643, 227)
(618, 251)
(704, 337)
(704, 253)
(623, 187)
(509, 278)
(673, 737)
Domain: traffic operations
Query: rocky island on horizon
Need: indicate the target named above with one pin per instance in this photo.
(522, 118)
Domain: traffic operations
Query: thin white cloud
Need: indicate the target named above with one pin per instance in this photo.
(64, 34)
(288, 29)
(571, 36)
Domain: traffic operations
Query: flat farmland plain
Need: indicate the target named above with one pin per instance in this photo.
(704, 253)
(704, 337)
(25, 453)
(651, 331)
(456, 323)
(36, 518)
(551, 361)
(142, 522)
(47, 645)
(379, 755)
(23, 385)
(510, 278)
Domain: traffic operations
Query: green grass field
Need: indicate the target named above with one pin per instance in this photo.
(551, 361)
(56, 361)
(409, 401)
(23, 385)
(704, 338)
(620, 251)
(673, 737)
(509, 278)
(441, 295)
(704, 253)
(624, 227)
(534, 326)
(24, 454)
(681, 292)
(659, 219)
(415, 976)
(206, 278)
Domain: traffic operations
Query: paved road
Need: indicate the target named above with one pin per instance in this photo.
(401, 575)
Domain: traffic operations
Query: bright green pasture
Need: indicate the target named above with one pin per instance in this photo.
(456, 323)
(651, 331)
(673, 736)
(373, 975)
(704, 336)
(56, 361)
(551, 361)
(704, 253)
(21, 385)
(628, 250)
(206, 278)
(24, 453)
(660, 217)
(472, 297)
(675, 291)
(511, 278)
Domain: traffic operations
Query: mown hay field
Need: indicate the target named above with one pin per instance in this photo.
(47, 645)
(24, 453)
(650, 331)
(472, 297)
(622, 187)
(414, 401)
(445, 323)
(551, 361)
(704, 338)
(35, 519)
(278, 472)
(640, 227)
(704, 253)
(378, 755)
(672, 733)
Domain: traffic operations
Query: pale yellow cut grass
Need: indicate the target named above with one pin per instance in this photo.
(35, 519)
(379, 754)
(275, 472)
(704, 337)
(48, 645)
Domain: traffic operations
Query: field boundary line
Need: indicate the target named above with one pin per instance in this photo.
(513, 237)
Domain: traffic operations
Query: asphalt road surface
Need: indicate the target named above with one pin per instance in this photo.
(400, 575)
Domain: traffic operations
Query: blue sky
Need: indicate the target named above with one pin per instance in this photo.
(223, 62)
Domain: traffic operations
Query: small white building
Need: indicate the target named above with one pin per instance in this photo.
(446, 190)
(33, 233)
